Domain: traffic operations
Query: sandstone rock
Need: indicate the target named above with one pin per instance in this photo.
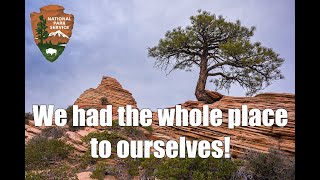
(79, 148)
(109, 92)
(31, 122)
(242, 138)
(108, 177)
(84, 175)
(74, 137)
(86, 131)
(144, 131)
(33, 130)
(214, 95)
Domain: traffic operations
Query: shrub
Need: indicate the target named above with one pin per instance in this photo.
(196, 168)
(272, 165)
(41, 152)
(69, 111)
(53, 132)
(56, 173)
(242, 173)
(150, 165)
(132, 165)
(112, 137)
(86, 159)
(99, 172)
(29, 175)
(115, 125)
(174, 168)
(133, 132)
(28, 116)
(148, 128)
(104, 101)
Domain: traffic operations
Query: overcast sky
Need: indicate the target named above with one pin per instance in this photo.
(110, 38)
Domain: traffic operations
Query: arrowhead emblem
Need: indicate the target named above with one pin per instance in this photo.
(52, 29)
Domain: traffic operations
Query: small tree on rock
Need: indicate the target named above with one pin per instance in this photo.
(220, 49)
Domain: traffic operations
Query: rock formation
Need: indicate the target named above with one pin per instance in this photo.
(242, 138)
(109, 92)
(214, 95)
(73, 138)
(259, 139)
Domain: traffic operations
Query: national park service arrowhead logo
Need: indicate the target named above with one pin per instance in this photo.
(52, 29)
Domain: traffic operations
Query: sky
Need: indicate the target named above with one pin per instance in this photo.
(110, 38)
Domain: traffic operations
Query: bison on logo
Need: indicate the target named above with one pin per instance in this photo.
(52, 29)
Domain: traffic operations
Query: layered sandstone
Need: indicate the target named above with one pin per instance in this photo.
(109, 92)
(73, 138)
(242, 138)
(259, 139)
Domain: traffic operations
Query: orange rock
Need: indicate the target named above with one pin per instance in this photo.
(214, 95)
(259, 139)
(109, 92)
(242, 138)
(84, 175)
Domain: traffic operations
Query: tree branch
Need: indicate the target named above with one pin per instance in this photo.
(221, 74)
(217, 65)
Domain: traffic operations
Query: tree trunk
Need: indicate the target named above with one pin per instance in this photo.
(200, 93)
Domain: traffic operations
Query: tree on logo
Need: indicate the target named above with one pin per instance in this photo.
(41, 29)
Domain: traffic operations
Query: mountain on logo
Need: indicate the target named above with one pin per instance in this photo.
(59, 33)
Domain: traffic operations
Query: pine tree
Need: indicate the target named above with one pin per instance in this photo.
(221, 50)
